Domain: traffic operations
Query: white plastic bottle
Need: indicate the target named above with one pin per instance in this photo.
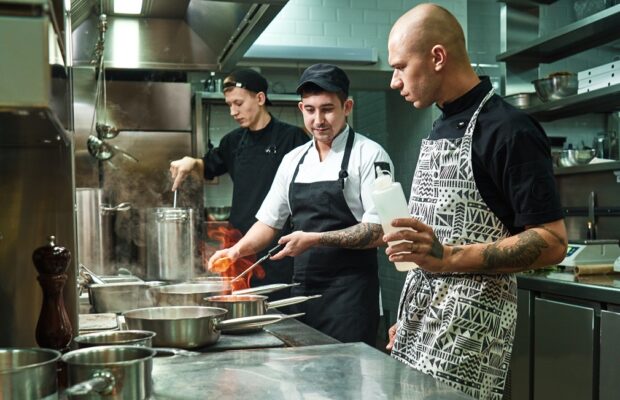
(391, 204)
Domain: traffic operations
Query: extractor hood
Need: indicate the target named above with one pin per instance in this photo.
(185, 35)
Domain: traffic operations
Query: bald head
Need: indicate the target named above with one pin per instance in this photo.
(426, 49)
(427, 25)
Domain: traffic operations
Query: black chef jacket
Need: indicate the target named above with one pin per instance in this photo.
(274, 141)
(511, 158)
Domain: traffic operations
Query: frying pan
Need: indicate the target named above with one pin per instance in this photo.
(240, 306)
(189, 327)
(192, 294)
(249, 305)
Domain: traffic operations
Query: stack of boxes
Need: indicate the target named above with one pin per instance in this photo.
(599, 77)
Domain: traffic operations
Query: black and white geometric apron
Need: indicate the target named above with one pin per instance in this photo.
(456, 327)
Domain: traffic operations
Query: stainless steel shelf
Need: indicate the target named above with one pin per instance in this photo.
(598, 101)
(582, 169)
(589, 32)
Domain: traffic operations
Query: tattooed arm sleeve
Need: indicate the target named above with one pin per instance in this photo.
(361, 236)
(536, 247)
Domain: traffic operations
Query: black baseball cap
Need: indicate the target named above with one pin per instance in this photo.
(247, 79)
(326, 76)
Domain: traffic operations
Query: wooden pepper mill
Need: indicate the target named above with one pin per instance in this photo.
(54, 327)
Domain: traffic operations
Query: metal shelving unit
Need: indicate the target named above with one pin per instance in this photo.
(595, 30)
(597, 101)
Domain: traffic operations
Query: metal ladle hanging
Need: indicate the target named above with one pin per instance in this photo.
(96, 145)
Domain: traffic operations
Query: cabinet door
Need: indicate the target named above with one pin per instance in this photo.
(520, 362)
(563, 351)
(610, 355)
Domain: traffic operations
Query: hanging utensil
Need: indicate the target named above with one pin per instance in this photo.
(263, 258)
(104, 151)
(106, 131)
(174, 202)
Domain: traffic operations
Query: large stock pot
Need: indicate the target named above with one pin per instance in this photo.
(170, 244)
(28, 373)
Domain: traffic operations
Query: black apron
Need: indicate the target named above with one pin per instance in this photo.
(347, 279)
(256, 164)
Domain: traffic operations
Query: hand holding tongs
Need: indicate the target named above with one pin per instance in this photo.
(263, 258)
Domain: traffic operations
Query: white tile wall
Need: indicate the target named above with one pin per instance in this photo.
(345, 23)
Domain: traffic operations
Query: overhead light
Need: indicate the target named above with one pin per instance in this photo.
(127, 6)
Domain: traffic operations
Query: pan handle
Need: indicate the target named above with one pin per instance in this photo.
(102, 382)
(290, 301)
(257, 321)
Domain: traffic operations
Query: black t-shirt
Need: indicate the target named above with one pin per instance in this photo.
(511, 158)
(260, 153)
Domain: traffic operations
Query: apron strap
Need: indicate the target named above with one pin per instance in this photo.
(345, 159)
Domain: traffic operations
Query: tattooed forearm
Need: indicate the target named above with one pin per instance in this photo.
(552, 233)
(456, 249)
(521, 256)
(360, 236)
(437, 249)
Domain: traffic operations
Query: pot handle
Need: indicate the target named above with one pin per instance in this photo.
(101, 382)
(257, 321)
(290, 301)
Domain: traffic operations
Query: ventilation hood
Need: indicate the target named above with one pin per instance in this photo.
(185, 35)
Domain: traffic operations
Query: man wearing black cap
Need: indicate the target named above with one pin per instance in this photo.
(251, 155)
(325, 187)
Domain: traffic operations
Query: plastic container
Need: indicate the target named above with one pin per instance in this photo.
(391, 204)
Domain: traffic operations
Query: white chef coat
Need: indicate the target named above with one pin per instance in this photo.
(358, 186)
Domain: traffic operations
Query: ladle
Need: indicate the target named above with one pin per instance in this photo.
(106, 131)
(104, 151)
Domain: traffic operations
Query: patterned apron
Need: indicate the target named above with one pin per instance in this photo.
(456, 327)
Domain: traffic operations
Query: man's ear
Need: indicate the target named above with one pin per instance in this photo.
(262, 98)
(440, 56)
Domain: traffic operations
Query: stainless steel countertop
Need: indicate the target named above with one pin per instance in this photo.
(601, 288)
(353, 371)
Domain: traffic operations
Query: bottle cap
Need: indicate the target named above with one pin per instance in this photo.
(383, 179)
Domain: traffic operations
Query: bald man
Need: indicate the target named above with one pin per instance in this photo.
(484, 206)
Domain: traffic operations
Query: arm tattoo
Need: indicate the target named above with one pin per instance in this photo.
(552, 233)
(359, 236)
(456, 249)
(519, 257)
(436, 248)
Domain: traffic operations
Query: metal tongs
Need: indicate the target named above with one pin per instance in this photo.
(260, 260)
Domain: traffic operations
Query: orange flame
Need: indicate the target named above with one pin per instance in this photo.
(226, 236)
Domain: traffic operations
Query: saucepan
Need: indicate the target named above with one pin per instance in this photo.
(28, 373)
(249, 305)
(122, 296)
(115, 338)
(189, 327)
(193, 294)
(111, 372)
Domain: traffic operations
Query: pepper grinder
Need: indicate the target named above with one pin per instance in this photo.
(54, 327)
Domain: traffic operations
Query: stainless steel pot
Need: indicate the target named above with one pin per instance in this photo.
(187, 294)
(193, 294)
(116, 338)
(170, 244)
(119, 297)
(191, 326)
(28, 373)
(111, 372)
(250, 305)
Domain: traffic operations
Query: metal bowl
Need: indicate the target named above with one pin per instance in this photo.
(556, 86)
(218, 213)
(570, 158)
(522, 100)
